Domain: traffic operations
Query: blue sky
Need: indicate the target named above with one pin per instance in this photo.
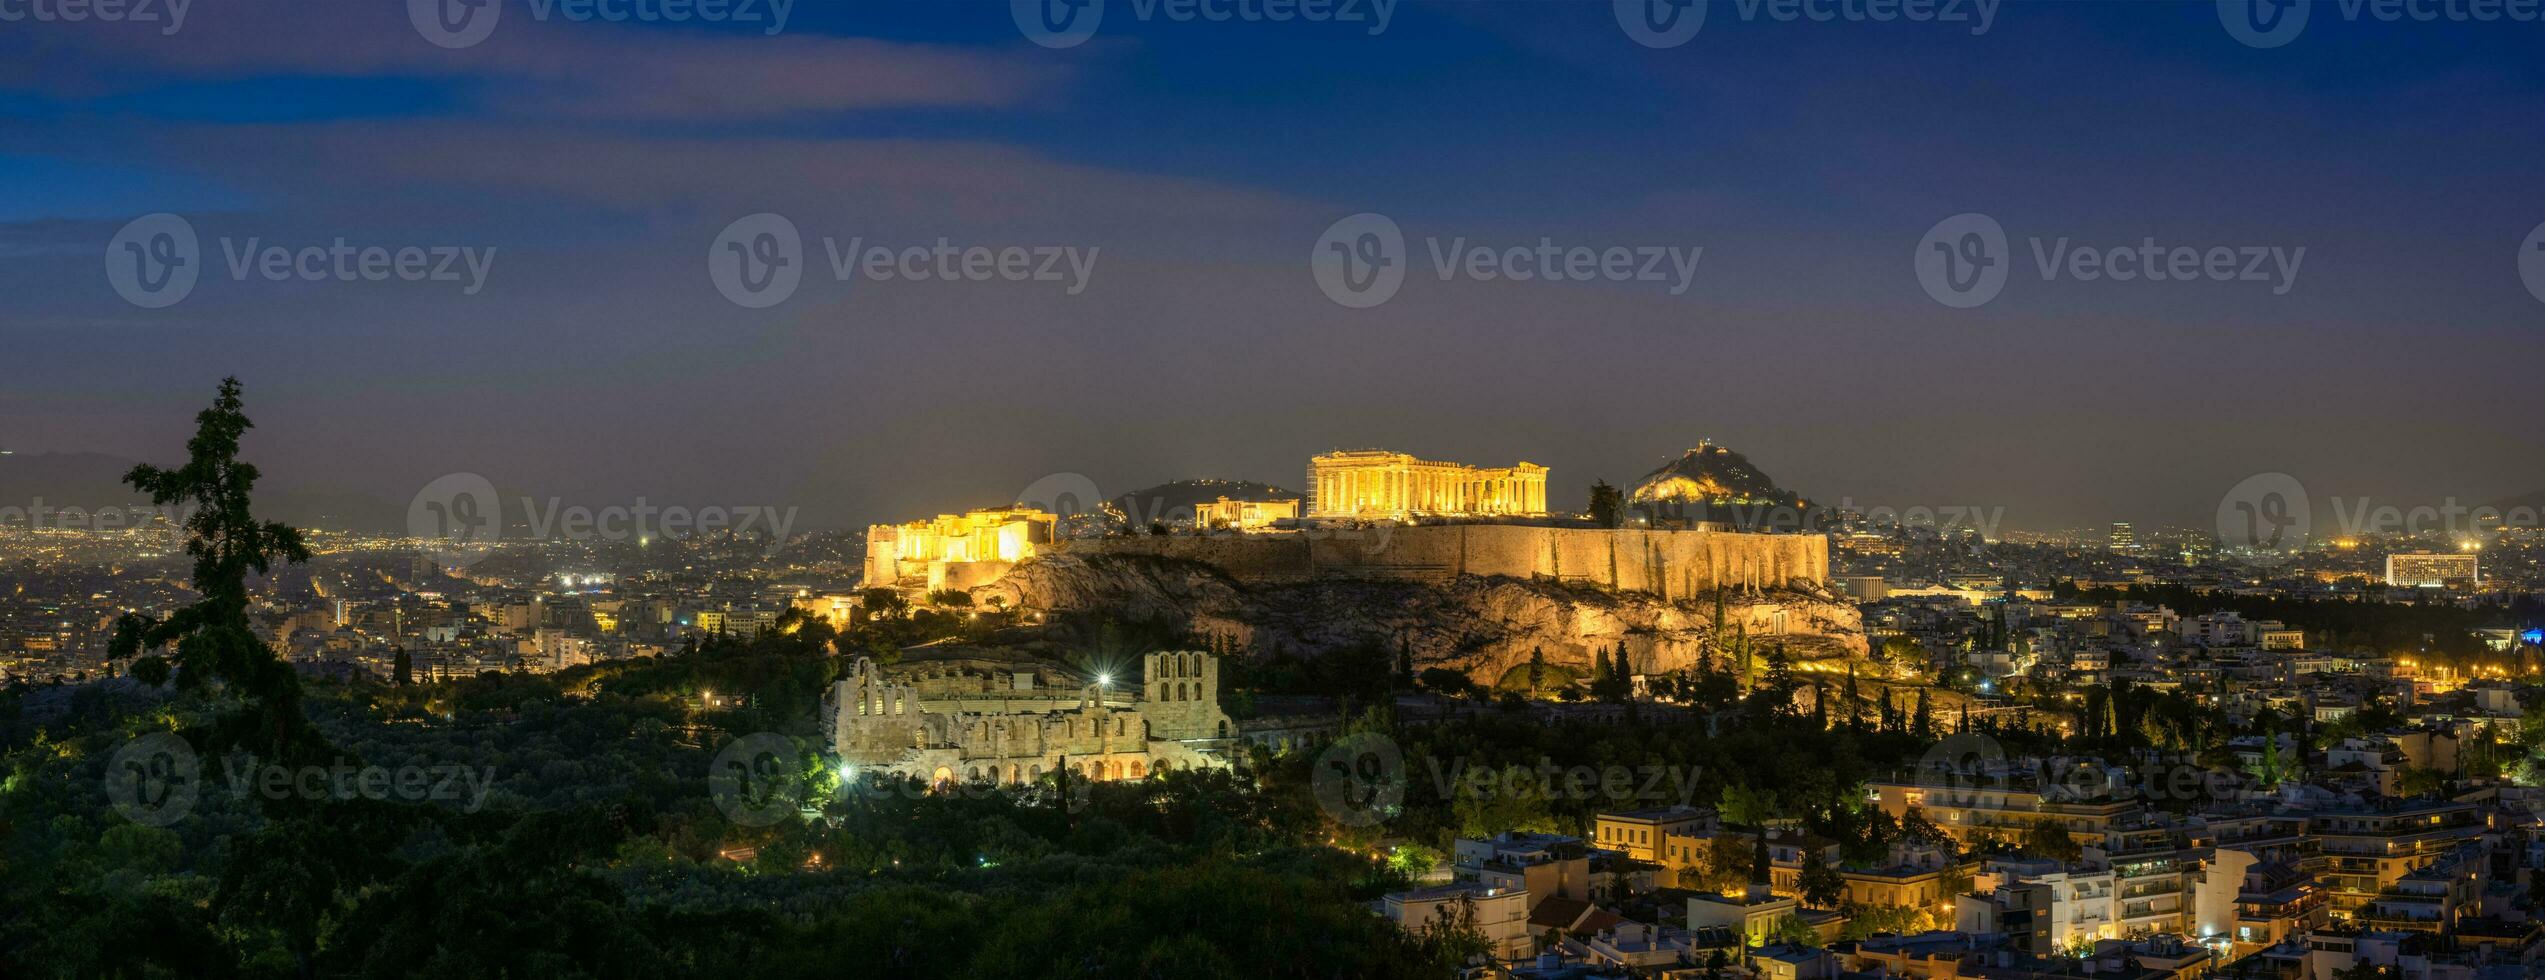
(599, 162)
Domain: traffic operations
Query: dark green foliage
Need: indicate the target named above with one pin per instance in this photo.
(211, 640)
(1608, 506)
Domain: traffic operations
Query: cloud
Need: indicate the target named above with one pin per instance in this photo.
(529, 67)
(495, 175)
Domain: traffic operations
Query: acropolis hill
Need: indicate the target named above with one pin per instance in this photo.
(1480, 586)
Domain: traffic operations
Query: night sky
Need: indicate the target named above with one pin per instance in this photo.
(601, 161)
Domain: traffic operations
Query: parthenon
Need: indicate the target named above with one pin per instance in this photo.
(1373, 483)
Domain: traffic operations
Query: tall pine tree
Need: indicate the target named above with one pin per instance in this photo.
(210, 641)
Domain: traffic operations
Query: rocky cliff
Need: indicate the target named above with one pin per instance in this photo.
(1483, 626)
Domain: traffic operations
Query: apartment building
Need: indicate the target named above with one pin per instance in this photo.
(1643, 834)
(2368, 849)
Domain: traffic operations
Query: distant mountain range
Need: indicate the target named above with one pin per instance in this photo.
(91, 481)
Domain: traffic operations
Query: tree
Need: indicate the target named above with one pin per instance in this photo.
(1443, 680)
(151, 670)
(211, 637)
(2418, 781)
(1790, 929)
(1821, 885)
(1855, 717)
(402, 669)
(1455, 930)
(2049, 840)
(883, 603)
(1746, 807)
(1405, 661)
(1726, 866)
(1608, 507)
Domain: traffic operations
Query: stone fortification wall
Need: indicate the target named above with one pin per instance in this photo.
(1672, 564)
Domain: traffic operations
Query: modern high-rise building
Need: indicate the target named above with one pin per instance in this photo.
(2430, 570)
(2124, 539)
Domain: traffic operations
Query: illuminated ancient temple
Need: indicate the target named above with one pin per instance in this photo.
(1243, 515)
(955, 550)
(1372, 483)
